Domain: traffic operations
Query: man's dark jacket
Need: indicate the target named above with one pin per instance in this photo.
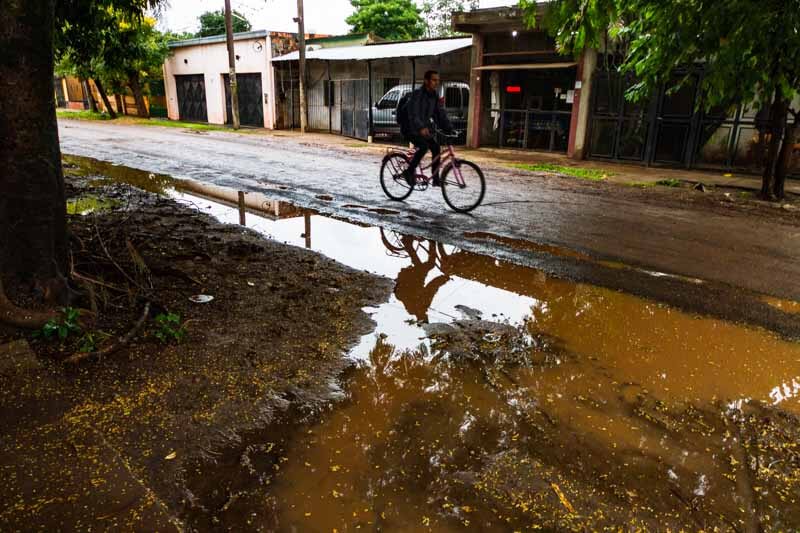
(422, 107)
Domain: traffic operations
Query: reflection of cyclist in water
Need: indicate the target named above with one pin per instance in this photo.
(411, 289)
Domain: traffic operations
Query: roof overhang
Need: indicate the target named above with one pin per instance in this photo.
(409, 49)
(528, 66)
(214, 39)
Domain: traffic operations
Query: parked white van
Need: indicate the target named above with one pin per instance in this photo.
(453, 94)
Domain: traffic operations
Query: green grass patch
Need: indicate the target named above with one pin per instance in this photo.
(155, 121)
(670, 182)
(591, 174)
(81, 115)
(86, 205)
(166, 123)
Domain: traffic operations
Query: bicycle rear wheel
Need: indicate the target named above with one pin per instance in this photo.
(465, 194)
(393, 181)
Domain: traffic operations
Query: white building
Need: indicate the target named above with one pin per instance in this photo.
(195, 77)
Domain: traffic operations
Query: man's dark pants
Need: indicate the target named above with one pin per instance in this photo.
(423, 144)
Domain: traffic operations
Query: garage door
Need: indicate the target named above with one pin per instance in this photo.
(192, 98)
(251, 108)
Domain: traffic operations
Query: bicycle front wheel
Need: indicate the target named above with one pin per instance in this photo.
(463, 186)
(393, 181)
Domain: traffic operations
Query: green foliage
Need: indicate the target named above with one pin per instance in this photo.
(391, 19)
(591, 174)
(133, 53)
(62, 327)
(213, 23)
(169, 328)
(439, 13)
(89, 341)
(669, 182)
(750, 50)
(82, 27)
(117, 45)
(171, 37)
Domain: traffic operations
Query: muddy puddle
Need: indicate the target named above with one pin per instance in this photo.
(492, 397)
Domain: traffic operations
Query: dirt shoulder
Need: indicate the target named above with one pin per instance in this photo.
(106, 443)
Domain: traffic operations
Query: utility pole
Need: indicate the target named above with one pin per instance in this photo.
(232, 65)
(301, 37)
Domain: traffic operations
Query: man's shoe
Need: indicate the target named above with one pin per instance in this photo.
(437, 182)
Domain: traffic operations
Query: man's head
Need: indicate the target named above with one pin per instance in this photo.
(432, 80)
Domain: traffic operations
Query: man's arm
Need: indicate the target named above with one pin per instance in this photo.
(441, 118)
(415, 112)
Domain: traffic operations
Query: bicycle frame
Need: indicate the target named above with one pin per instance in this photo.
(447, 155)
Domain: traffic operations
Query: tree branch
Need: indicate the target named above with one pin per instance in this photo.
(113, 348)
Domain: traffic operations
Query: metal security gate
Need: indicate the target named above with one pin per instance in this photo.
(192, 97)
(673, 128)
(355, 108)
(251, 108)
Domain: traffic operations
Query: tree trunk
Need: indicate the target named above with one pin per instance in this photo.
(120, 104)
(136, 89)
(785, 159)
(87, 88)
(104, 97)
(33, 241)
(777, 122)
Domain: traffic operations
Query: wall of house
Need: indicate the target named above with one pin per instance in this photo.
(324, 115)
(211, 60)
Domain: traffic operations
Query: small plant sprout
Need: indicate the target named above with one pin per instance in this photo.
(62, 327)
(170, 328)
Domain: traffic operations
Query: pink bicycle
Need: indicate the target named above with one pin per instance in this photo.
(462, 182)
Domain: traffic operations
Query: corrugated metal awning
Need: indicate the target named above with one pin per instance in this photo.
(527, 66)
(383, 50)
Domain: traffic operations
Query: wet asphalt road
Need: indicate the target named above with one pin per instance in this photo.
(739, 256)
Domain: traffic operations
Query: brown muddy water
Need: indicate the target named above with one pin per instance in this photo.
(492, 397)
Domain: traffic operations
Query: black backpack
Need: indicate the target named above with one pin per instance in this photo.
(401, 117)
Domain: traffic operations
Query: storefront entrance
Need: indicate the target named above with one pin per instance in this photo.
(527, 106)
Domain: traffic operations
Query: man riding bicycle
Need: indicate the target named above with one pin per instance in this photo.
(421, 108)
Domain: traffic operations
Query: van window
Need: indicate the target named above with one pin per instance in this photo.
(464, 97)
(452, 97)
(389, 100)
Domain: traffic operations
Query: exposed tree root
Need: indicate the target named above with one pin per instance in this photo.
(116, 346)
(22, 318)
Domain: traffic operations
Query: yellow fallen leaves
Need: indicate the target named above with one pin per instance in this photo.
(171, 456)
(563, 499)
